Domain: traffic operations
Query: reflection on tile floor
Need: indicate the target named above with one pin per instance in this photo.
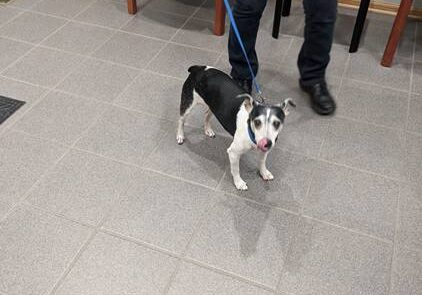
(96, 197)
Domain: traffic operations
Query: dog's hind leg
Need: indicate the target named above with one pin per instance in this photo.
(189, 100)
(207, 125)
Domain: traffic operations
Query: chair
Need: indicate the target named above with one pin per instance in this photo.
(282, 8)
(396, 32)
(219, 21)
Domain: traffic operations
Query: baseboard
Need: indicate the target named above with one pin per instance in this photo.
(386, 8)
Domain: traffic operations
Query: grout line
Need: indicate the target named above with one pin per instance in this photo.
(72, 262)
(231, 275)
(395, 240)
(376, 85)
(350, 230)
(181, 258)
(412, 68)
(36, 45)
(12, 19)
(138, 242)
(58, 215)
(26, 194)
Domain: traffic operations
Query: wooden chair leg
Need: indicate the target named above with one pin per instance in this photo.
(132, 8)
(287, 4)
(277, 18)
(359, 24)
(220, 18)
(396, 32)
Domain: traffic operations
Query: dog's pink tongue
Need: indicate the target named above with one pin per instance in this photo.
(262, 144)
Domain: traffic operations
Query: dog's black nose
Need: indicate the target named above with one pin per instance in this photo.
(268, 145)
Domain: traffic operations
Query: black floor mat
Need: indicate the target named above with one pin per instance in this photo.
(8, 106)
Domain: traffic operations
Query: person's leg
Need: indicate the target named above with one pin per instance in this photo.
(247, 14)
(320, 18)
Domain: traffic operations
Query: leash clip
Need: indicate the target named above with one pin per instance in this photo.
(259, 97)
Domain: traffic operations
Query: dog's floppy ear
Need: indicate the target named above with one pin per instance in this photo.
(285, 105)
(248, 102)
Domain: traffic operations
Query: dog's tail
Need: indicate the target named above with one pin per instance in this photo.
(194, 77)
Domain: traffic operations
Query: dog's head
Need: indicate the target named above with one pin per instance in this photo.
(266, 121)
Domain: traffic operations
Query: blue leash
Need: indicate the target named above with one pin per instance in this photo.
(239, 39)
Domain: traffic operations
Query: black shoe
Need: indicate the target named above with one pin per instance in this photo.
(322, 101)
(245, 84)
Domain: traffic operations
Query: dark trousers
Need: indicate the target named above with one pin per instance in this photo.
(314, 56)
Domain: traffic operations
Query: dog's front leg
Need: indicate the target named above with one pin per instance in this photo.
(265, 174)
(234, 157)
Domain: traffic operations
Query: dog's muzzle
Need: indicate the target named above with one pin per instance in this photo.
(265, 144)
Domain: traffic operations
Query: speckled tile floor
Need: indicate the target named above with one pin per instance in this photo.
(96, 197)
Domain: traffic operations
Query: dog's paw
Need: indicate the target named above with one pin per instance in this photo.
(210, 133)
(241, 185)
(266, 175)
(180, 139)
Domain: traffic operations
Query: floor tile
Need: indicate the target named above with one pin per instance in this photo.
(246, 239)
(23, 160)
(60, 117)
(130, 50)
(99, 80)
(417, 78)
(26, 4)
(368, 147)
(161, 97)
(21, 91)
(7, 13)
(113, 266)
(4, 208)
(407, 273)
(63, 8)
(418, 45)
(200, 159)
(187, 7)
(155, 24)
(199, 33)
(106, 13)
(353, 199)
(292, 178)
(78, 38)
(31, 27)
(414, 157)
(124, 135)
(328, 260)
(161, 211)
(367, 103)
(207, 12)
(11, 51)
(44, 67)
(415, 114)
(192, 280)
(36, 250)
(82, 187)
(410, 223)
(365, 66)
(174, 60)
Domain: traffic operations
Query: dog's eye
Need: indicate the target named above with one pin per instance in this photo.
(257, 123)
(276, 124)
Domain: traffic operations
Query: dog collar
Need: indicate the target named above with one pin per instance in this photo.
(251, 134)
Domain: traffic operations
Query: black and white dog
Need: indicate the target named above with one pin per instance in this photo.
(252, 124)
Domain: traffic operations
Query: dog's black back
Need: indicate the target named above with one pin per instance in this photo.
(218, 90)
